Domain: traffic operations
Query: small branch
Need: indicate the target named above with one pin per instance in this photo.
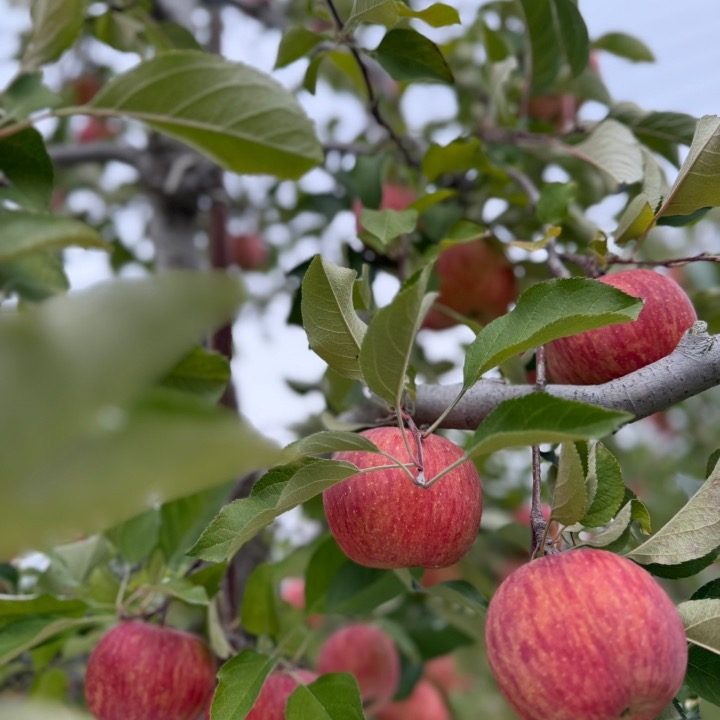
(537, 521)
(557, 268)
(373, 101)
(67, 155)
(670, 263)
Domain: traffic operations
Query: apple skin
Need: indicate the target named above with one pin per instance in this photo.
(445, 674)
(278, 687)
(614, 647)
(140, 671)
(370, 656)
(248, 251)
(382, 519)
(424, 703)
(292, 591)
(476, 280)
(597, 356)
(394, 197)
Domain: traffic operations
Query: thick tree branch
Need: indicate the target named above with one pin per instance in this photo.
(67, 155)
(692, 368)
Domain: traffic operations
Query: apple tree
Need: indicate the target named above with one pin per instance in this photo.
(506, 498)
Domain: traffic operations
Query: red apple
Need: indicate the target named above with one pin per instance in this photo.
(597, 356)
(522, 514)
(292, 591)
(140, 671)
(370, 655)
(445, 674)
(424, 703)
(85, 87)
(394, 197)
(434, 576)
(585, 634)
(476, 280)
(277, 688)
(248, 251)
(383, 519)
(96, 129)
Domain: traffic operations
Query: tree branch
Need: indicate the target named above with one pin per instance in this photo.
(692, 368)
(67, 155)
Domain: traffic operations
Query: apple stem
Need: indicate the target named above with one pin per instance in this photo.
(538, 526)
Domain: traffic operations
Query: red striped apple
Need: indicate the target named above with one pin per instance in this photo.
(424, 703)
(597, 356)
(369, 654)
(382, 519)
(140, 671)
(585, 634)
(278, 687)
(476, 280)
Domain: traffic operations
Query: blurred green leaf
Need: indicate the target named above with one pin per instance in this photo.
(708, 591)
(358, 590)
(436, 15)
(573, 34)
(34, 277)
(23, 232)
(137, 537)
(409, 56)
(38, 710)
(258, 611)
(239, 682)
(27, 168)
(624, 46)
(15, 606)
(25, 95)
(570, 499)
(554, 201)
(295, 44)
(388, 343)
(381, 12)
(458, 156)
(334, 330)
(323, 566)
(328, 441)
(612, 148)
(691, 534)
(278, 491)
(201, 372)
(234, 114)
(56, 25)
(385, 225)
(545, 41)
(334, 696)
(547, 311)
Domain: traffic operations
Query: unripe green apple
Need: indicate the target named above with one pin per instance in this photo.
(369, 654)
(382, 519)
(585, 634)
(270, 704)
(476, 280)
(597, 356)
(140, 671)
(424, 703)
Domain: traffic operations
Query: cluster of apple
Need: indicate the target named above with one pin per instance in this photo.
(548, 663)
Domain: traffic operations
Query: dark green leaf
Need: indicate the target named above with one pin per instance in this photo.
(239, 682)
(334, 696)
(296, 43)
(708, 590)
(329, 441)
(34, 277)
(573, 34)
(544, 40)
(625, 46)
(554, 201)
(436, 15)
(56, 26)
(258, 612)
(26, 166)
(358, 590)
(136, 538)
(409, 56)
(703, 673)
(570, 498)
(605, 485)
(201, 372)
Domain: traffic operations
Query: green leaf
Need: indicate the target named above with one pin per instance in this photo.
(334, 330)
(547, 311)
(334, 696)
(278, 491)
(624, 46)
(23, 232)
(698, 183)
(636, 219)
(234, 114)
(258, 611)
(295, 44)
(458, 156)
(385, 352)
(201, 372)
(239, 682)
(25, 633)
(323, 566)
(570, 499)
(703, 673)
(56, 26)
(358, 590)
(605, 485)
(691, 534)
(381, 12)
(109, 446)
(330, 441)
(545, 41)
(541, 418)
(554, 201)
(702, 623)
(409, 56)
(13, 709)
(612, 148)
(182, 589)
(34, 277)
(573, 35)
(614, 531)
(27, 168)
(26, 95)
(137, 537)
(436, 15)
(16, 606)
(386, 225)
(710, 590)
(685, 569)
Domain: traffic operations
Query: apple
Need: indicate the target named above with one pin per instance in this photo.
(476, 280)
(292, 591)
(424, 703)
(445, 674)
(85, 87)
(382, 519)
(435, 576)
(140, 671)
(394, 197)
(248, 251)
(278, 687)
(95, 130)
(597, 356)
(522, 514)
(369, 654)
(585, 634)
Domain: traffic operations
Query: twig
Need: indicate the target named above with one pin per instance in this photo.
(65, 155)
(373, 101)
(669, 263)
(537, 521)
